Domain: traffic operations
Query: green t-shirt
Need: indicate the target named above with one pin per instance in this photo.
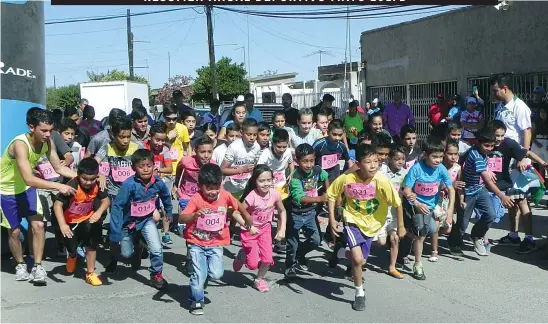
(350, 122)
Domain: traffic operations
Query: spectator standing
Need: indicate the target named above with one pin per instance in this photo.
(438, 111)
(136, 103)
(396, 115)
(291, 114)
(511, 110)
(212, 116)
(252, 112)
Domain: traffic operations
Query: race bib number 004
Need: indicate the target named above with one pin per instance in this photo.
(212, 222)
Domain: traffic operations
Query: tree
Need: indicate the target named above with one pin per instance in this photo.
(178, 82)
(62, 97)
(231, 81)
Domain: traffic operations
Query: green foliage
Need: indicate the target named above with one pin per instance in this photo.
(231, 81)
(63, 97)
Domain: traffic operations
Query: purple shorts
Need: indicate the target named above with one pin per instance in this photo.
(355, 237)
(17, 207)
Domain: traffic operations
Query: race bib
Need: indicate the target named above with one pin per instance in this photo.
(173, 154)
(427, 189)
(47, 172)
(80, 208)
(279, 178)
(311, 193)
(329, 161)
(211, 222)
(157, 165)
(453, 174)
(121, 174)
(104, 169)
(361, 191)
(261, 217)
(240, 176)
(409, 164)
(494, 164)
(142, 209)
(190, 188)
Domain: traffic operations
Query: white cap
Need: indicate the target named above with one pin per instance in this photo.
(240, 98)
(376, 100)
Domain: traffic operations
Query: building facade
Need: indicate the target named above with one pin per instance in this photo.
(452, 52)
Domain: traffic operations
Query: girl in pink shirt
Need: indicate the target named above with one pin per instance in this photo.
(260, 201)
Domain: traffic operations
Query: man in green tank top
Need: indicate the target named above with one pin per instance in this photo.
(18, 195)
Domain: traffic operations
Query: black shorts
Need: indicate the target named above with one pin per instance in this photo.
(85, 234)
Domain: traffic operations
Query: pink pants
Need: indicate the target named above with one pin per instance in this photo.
(257, 248)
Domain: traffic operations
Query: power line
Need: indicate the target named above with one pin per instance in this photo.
(100, 18)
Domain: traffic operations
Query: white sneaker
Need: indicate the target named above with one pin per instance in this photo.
(21, 273)
(38, 275)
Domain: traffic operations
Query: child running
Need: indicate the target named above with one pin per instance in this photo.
(132, 215)
(80, 217)
(260, 201)
(233, 132)
(163, 167)
(330, 150)
(367, 197)
(306, 182)
(444, 221)
(422, 190)
(207, 232)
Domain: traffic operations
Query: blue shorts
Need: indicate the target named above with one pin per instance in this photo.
(17, 207)
(355, 237)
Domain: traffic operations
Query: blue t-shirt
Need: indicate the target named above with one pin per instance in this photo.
(255, 114)
(474, 165)
(427, 180)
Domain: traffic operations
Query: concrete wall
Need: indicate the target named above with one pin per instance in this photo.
(474, 41)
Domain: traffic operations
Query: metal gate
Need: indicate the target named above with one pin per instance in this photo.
(385, 94)
(524, 84)
(422, 96)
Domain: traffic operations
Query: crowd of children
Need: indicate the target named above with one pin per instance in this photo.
(373, 188)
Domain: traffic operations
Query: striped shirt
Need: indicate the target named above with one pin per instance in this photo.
(474, 165)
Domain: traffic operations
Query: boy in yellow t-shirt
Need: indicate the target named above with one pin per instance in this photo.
(367, 194)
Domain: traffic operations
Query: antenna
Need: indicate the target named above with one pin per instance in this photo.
(320, 52)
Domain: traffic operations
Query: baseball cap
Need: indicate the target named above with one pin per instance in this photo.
(456, 97)
(440, 96)
(471, 100)
(539, 89)
(240, 98)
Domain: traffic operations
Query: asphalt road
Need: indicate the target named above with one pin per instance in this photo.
(502, 287)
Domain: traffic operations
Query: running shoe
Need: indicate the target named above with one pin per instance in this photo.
(239, 261)
(456, 251)
(527, 246)
(166, 239)
(359, 303)
(395, 273)
(21, 273)
(196, 308)
(290, 272)
(71, 264)
(303, 265)
(479, 247)
(93, 279)
(157, 281)
(418, 272)
(261, 285)
(38, 275)
(507, 240)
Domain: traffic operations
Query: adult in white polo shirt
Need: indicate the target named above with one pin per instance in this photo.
(512, 111)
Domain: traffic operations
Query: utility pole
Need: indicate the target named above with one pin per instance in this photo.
(54, 84)
(208, 10)
(169, 65)
(130, 45)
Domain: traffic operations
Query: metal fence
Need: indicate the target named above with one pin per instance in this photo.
(421, 96)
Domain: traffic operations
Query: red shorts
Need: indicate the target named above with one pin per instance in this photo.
(257, 248)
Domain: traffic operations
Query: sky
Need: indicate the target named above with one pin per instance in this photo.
(281, 45)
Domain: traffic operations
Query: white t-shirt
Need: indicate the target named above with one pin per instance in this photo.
(516, 116)
(278, 166)
(310, 138)
(463, 147)
(219, 153)
(239, 154)
(472, 118)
